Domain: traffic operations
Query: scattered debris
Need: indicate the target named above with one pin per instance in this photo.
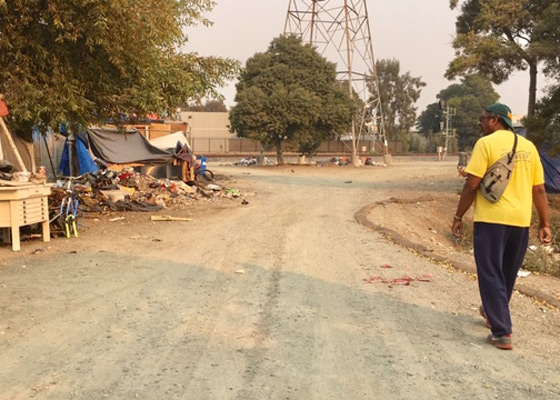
(129, 190)
(404, 280)
(523, 273)
(39, 250)
(246, 162)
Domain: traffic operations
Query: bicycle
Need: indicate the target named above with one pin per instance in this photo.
(205, 174)
(69, 210)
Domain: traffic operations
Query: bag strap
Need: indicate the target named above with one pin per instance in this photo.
(512, 154)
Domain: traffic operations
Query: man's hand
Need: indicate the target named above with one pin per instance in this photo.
(468, 195)
(540, 199)
(545, 235)
(457, 228)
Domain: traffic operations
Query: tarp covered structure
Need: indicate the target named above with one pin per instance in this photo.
(23, 148)
(169, 142)
(85, 162)
(125, 147)
(551, 167)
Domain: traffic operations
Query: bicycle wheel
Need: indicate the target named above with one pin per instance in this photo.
(207, 175)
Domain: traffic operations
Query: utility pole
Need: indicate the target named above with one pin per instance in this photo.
(448, 132)
(340, 29)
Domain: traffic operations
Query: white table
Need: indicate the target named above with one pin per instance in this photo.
(23, 205)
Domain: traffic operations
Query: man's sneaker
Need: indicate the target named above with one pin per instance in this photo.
(501, 342)
(483, 314)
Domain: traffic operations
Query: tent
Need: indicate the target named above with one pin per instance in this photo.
(85, 161)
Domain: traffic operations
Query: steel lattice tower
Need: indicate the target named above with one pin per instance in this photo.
(340, 29)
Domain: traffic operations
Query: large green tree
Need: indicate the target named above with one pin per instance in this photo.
(430, 119)
(466, 101)
(81, 61)
(399, 93)
(498, 37)
(289, 93)
(545, 124)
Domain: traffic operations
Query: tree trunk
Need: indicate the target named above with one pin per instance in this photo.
(279, 155)
(532, 88)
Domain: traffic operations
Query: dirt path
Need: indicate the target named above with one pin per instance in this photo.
(265, 300)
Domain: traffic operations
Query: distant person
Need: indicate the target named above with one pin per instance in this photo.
(501, 229)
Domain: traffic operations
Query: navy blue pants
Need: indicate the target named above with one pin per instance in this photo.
(498, 251)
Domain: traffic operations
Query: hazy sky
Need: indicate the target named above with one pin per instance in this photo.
(418, 33)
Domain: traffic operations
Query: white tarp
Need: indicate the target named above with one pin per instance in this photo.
(169, 142)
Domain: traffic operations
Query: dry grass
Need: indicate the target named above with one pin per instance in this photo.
(545, 259)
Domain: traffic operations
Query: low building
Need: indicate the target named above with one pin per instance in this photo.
(208, 131)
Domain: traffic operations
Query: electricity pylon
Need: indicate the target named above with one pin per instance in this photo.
(448, 133)
(340, 29)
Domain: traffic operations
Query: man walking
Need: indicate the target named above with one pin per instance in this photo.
(501, 229)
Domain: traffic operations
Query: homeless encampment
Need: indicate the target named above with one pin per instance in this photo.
(113, 146)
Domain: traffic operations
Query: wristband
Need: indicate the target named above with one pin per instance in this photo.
(458, 218)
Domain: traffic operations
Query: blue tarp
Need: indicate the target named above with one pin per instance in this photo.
(84, 159)
(551, 172)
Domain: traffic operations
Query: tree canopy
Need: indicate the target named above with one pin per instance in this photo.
(545, 124)
(290, 93)
(79, 62)
(210, 105)
(398, 92)
(468, 99)
(498, 37)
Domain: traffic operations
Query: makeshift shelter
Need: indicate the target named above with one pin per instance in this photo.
(129, 146)
(551, 167)
(85, 162)
(171, 141)
(23, 147)
(113, 146)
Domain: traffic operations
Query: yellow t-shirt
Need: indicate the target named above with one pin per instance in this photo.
(516, 204)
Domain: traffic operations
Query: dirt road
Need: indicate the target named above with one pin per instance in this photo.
(268, 300)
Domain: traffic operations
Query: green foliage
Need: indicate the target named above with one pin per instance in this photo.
(82, 61)
(544, 126)
(498, 37)
(430, 119)
(425, 143)
(398, 92)
(211, 105)
(468, 98)
(289, 93)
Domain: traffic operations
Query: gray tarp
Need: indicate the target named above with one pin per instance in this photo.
(124, 147)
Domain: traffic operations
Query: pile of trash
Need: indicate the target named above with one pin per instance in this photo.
(343, 161)
(250, 161)
(7, 173)
(246, 162)
(129, 190)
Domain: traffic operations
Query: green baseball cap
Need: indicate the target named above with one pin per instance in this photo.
(503, 111)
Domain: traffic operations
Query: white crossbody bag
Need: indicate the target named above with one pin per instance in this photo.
(496, 179)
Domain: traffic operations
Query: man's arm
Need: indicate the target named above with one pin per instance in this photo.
(467, 198)
(540, 199)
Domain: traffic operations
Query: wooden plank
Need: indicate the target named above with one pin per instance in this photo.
(168, 218)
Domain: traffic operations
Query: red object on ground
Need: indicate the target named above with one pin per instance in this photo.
(404, 280)
(3, 109)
